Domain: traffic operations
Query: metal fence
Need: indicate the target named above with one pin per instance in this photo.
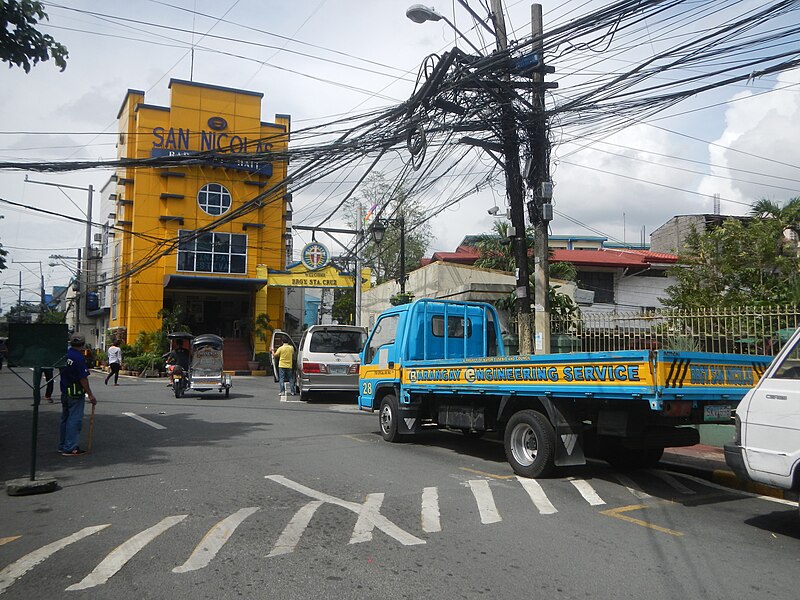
(739, 330)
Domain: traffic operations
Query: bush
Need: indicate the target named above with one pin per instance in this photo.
(148, 360)
(264, 361)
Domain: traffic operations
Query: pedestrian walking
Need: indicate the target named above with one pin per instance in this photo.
(47, 372)
(285, 354)
(114, 361)
(74, 389)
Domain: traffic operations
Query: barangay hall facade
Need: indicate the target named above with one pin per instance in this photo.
(174, 235)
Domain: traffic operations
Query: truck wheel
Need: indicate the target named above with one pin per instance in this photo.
(530, 444)
(227, 392)
(387, 417)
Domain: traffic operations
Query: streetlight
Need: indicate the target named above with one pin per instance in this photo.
(419, 13)
(378, 233)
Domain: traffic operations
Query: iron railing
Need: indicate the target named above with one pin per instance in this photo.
(738, 330)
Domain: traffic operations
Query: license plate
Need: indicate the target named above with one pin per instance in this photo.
(717, 413)
(338, 369)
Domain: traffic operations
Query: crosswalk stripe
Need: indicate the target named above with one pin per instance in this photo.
(431, 520)
(152, 424)
(537, 495)
(381, 522)
(120, 555)
(672, 482)
(362, 532)
(214, 540)
(17, 569)
(292, 533)
(485, 501)
(587, 491)
(634, 489)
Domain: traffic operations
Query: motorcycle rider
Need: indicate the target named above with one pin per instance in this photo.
(178, 357)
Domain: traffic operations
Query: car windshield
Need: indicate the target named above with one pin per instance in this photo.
(350, 342)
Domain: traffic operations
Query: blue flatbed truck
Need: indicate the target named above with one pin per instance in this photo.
(440, 363)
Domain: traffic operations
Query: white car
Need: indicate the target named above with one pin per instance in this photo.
(328, 359)
(766, 448)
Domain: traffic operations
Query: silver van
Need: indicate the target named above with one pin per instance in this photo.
(328, 359)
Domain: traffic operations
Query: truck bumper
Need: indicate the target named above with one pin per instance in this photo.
(734, 456)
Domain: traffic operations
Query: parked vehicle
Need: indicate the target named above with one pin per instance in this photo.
(328, 359)
(205, 371)
(766, 446)
(442, 363)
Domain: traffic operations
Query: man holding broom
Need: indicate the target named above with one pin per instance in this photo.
(74, 388)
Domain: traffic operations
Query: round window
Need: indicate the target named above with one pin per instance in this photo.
(215, 199)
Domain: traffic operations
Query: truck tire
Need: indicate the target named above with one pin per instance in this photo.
(530, 444)
(387, 418)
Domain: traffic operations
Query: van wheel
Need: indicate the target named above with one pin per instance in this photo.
(530, 444)
(387, 418)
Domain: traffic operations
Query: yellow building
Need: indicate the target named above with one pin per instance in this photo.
(200, 236)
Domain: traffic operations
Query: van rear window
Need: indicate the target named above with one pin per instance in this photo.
(337, 341)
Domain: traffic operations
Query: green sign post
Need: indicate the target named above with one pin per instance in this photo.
(35, 346)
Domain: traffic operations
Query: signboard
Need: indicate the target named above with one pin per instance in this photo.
(37, 345)
(327, 277)
(315, 256)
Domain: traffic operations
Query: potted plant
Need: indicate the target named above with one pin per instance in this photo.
(262, 328)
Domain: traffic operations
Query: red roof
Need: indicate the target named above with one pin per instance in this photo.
(604, 257)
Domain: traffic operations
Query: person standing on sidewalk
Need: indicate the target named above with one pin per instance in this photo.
(74, 388)
(114, 361)
(285, 355)
(47, 373)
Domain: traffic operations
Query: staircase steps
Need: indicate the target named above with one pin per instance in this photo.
(236, 354)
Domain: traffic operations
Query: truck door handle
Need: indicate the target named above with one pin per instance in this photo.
(775, 397)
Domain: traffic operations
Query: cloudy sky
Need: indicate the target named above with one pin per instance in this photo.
(318, 60)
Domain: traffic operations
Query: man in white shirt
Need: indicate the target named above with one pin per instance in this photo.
(114, 361)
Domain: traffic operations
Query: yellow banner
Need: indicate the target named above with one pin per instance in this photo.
(329, 277)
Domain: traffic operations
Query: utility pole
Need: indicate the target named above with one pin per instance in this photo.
(514, 191)
(540, 209)
(83, 279)
(357, 270)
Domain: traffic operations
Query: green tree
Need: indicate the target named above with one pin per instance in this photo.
(384, 258)
(23, 45)
(497, 253)
(343, 305)
(53, 316)
(738, 263)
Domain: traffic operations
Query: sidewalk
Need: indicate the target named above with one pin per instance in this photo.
(708, 462)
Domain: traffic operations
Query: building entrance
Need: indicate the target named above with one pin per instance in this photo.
(224, 314)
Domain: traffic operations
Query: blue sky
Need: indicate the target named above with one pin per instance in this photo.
(335, 57)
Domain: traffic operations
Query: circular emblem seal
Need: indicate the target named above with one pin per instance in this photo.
(217, 123)
(315, 256)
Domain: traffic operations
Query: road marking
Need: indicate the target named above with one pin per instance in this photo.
(17, 569)
(214, 540)
(120, 555)
(8, 540)
(487, 474)
(485, 501)
(617, 513)
(292, 533)
(587, 491)
(143, 420)
(537, 495)
(629, 485)
(431, 520)
(354, 438)
(377, 519)
(362, 532)
(672, 482)
(735, 491)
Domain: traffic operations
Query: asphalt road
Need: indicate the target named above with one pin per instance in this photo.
(207, 497)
